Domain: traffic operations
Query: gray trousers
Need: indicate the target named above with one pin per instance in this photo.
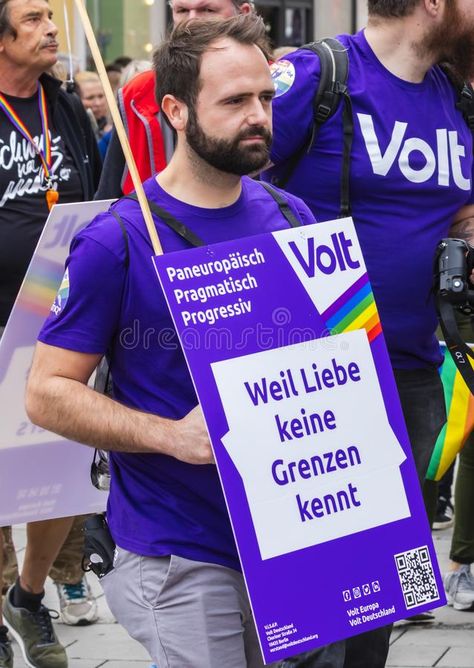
(187, 614)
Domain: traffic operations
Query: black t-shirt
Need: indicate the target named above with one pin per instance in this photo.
(23, 207)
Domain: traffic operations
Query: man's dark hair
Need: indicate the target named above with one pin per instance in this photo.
(113, 67)
(122, 61)
(177, 61)
(5, 25)
(392, 8)
(236, 3)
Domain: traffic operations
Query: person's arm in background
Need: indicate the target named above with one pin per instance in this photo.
(293, 104)
(110, 184)
(463, 224)
(81, 122)
(463, 227)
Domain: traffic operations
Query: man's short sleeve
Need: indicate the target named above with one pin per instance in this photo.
(296, 78)
(86, 312)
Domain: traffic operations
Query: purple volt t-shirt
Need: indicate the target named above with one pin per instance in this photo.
(411, 171)
(157, 504)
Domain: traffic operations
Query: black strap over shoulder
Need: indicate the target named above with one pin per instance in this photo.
(332, 88)
(332, 82)
(283, 205)
(188, 235)
(183, 231)
(459, 350)
(125, 236)
(348, 132)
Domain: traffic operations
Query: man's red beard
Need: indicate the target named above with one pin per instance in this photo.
(452, 42)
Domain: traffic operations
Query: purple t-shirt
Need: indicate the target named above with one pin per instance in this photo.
(411, 171)
(157, 504)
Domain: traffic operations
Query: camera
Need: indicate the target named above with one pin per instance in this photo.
(99, 546)
(454, 262)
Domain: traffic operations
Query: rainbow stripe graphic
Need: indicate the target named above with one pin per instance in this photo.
(460, 423)
(46, 156)
(41, 284)
(43, 109)
(355, 309)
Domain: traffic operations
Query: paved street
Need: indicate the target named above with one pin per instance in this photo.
(446, 643)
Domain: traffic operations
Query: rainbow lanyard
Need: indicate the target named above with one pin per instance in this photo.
(52, 195)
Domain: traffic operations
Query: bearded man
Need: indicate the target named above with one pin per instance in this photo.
(176, 585)
(410, 184)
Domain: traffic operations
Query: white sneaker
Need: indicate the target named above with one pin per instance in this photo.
(77, 603)
(459, 587)
(444, 518)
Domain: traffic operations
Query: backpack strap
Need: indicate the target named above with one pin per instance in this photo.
(124, 234)
(193, 239)
(187, 234)
(348, 133)
(183, 231)
(332, 88)
(282, 204)
(332, 81)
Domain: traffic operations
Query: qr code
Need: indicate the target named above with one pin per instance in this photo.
(417, 578)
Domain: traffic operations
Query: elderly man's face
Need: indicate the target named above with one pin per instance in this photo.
(35, 45)
(206, 9)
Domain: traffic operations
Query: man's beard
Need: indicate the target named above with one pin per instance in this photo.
(453, 42)
(228, 155)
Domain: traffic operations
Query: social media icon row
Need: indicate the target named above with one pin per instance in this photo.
(364, 590)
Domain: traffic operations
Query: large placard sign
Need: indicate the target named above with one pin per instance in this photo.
(284, 344)
(41, 474)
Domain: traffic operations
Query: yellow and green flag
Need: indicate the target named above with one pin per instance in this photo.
(460, 422)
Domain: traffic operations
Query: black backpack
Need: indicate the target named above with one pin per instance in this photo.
(332, 88)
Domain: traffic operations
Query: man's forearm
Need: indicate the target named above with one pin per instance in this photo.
(75, 411)
(463, 229)
(72, 409)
